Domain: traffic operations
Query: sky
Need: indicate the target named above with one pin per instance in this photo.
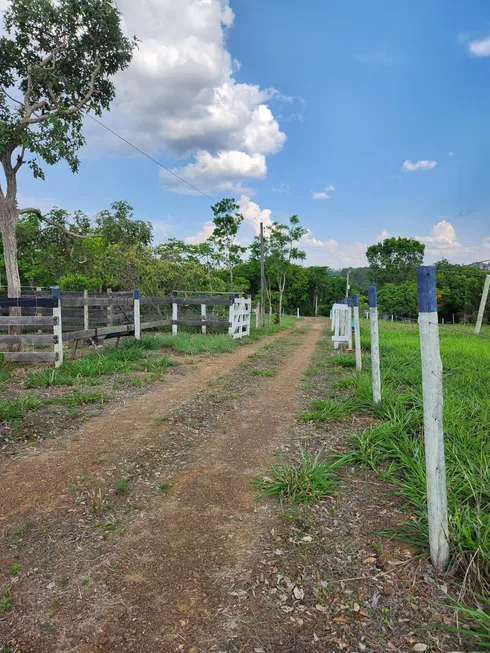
(366, 119)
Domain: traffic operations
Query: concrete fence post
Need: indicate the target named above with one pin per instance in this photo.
(57, 328)
(137, 314)
(203, 314)
(433, 419)
(357, 332)
(175, 314)
(373, 323)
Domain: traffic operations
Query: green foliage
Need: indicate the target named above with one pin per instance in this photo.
(309, 479)
(399, 300)
(195, 343)
(394, 260)
(121, 486)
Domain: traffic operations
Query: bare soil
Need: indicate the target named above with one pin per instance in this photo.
(141, 533)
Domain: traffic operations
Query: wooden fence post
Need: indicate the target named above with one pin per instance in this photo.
(203, 314)
(85, 311)
(433, 424)
(373, 323)
(483, 303)
(137, 314)
(175, 315)
(357, 333)
(110, 310)
(57, 328)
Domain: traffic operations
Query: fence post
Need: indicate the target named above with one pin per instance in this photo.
(349, 323)
(175, 314)
(57, 327)
(433, 425)
(137, 314)
(297, 313)
(483, 303)
(357, 332)
(257, 316)
(373, 323)
(231, 314)
(203, 314)
(85, 310)
(110, 311)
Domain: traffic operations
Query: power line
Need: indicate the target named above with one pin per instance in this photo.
(148, 156)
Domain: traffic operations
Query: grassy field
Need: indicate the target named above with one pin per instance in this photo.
(393, 444)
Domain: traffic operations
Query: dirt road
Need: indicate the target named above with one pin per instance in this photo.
(155, 584)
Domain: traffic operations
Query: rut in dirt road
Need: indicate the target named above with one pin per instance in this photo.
(179, 553)
(40, 483)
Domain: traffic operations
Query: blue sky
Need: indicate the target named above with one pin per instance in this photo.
(326, 94)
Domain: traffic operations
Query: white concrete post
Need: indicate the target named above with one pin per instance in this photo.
(349, 323)
(137, 314)
(433, 424)
(483, 303)
(257, 316)
(373, 323)
(57, 328)
(85, 310)
(231, 315)
(297, 313)
(357, 333)
(203, 314)
(175, 315)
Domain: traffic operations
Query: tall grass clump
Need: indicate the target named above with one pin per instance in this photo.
(309, 479)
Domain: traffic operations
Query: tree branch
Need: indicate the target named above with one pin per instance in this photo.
(53, 223)
(10, 97)
(20, 160)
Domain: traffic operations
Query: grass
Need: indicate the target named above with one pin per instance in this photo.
(309, 479)
(196, 343)
(131, 356)
(257, 372)
(121, 486)
(326, 410)
(393, 445)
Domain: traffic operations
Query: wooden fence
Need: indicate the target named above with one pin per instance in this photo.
(56, 318)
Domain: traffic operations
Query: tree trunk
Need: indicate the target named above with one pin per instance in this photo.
(8, 227)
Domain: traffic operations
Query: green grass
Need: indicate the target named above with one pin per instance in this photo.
(393, 445)
(196, 343)
(257, 372)
(309, 479)
(131, 356)
(326, 410)
(121, 486)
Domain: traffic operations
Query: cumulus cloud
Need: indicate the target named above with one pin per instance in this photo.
(480, 47)
(324, 194)
(179, 95)
(444, 243)
(282, 188)
(202, 235)
(410, 166)
(216, 172)
(382, 236)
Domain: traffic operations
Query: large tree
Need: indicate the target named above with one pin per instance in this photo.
(57, 61)
(394, 260)
(227, 220)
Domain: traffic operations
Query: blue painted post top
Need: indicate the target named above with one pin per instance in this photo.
(203, 294)
(55, 292)
(349, 301)
(373, 300)
(174, 294)
(136, 294)
(355, 300)
(426, 288)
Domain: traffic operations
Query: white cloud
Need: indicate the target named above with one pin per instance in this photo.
(217, 172)
(252, 213)
(443, 243)
(282, 188)
(382, 236)
(332, 253)
(480, 47)
(450, 153)
(202, 235)
(410, 166)
(324, 194)
(179, 95)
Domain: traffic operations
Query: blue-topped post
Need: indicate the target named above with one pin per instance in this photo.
(373, 323)
(137, 314)
(57, 327)
(433, 425)
(357, 332)
(349, 322)
(175, 314)
(203, 314)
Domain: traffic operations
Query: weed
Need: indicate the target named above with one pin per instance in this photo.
(307, 480)
(164, 488)
(6, 601)
(85, 580)
(256, 372)
(54, 604)
(14, 570)
(121, 486)
(327, 410)
(64, 580)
